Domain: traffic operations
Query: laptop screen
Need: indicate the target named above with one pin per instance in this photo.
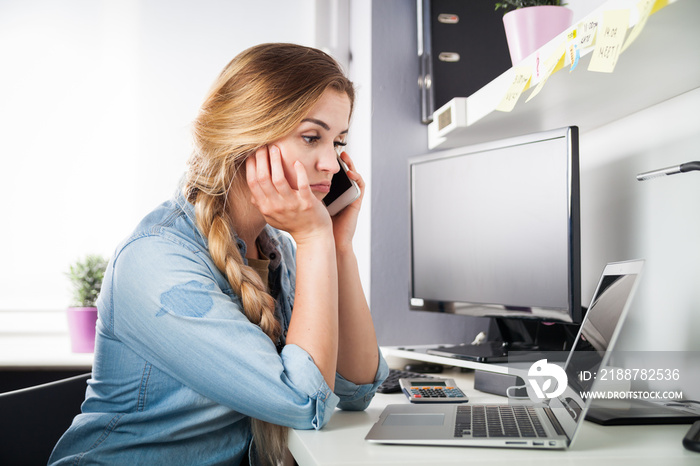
(595, 341)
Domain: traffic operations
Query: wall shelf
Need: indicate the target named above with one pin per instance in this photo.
(661, 64)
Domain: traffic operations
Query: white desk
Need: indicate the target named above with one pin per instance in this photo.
(342, 442)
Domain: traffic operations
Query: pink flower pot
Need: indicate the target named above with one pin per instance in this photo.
(81, 327)
(528, 29)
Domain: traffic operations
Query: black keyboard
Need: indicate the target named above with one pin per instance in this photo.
(391, 384)
(498, 421)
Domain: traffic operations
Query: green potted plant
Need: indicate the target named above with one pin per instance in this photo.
(529, 24)
(86, 279)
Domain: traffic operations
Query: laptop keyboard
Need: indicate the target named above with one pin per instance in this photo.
(498, 421)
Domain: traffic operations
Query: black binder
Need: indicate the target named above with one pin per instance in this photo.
(463, 47)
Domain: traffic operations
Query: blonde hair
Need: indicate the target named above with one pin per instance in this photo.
(262, 95)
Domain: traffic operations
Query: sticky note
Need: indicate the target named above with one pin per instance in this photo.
(609, 39)
(574, 56)
(644, 7)
(586, 33)
(520, 81)
(550, 65)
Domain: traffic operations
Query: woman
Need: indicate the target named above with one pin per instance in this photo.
(197, 348)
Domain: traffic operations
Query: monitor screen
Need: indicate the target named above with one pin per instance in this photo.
(495, 229)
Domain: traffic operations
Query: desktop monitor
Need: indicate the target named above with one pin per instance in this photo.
(494, 232)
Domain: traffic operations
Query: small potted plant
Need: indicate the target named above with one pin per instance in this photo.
(529, 24)
(86, 278)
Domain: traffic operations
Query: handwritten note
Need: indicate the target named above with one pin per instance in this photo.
(586, 33)
(555, 59)
(610, 36)
(644, 8)
(520, 81)
(574, 55)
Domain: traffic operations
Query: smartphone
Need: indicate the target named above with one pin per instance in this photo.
(343, 191)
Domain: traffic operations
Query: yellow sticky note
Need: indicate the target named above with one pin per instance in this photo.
(549, 66)
(586, 33)
(609, 39)
(644, 7)
(522, 77)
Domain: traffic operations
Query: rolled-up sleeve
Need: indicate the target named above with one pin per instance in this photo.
(355, 397)
(303, 374)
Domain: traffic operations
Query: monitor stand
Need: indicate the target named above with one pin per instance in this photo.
(490, 351)
(513, 335)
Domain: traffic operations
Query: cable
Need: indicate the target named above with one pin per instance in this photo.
(514, 397)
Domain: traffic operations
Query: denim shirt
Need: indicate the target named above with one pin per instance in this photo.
(179, 370)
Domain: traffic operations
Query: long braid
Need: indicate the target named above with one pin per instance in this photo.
(258, 305)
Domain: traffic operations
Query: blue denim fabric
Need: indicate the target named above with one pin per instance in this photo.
(179, 370)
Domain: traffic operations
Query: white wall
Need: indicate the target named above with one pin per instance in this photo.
(657, 220)
(96, 98)
(360, 138)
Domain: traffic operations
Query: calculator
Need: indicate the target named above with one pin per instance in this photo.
(429, 390)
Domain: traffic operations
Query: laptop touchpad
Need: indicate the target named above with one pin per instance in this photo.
(413, 419)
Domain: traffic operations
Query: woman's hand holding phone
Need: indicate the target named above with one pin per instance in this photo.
(345, 221)
(298, 211)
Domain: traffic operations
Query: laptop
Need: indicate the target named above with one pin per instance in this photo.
(553, 414)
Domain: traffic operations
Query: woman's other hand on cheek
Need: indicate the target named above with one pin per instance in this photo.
(296, 211)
